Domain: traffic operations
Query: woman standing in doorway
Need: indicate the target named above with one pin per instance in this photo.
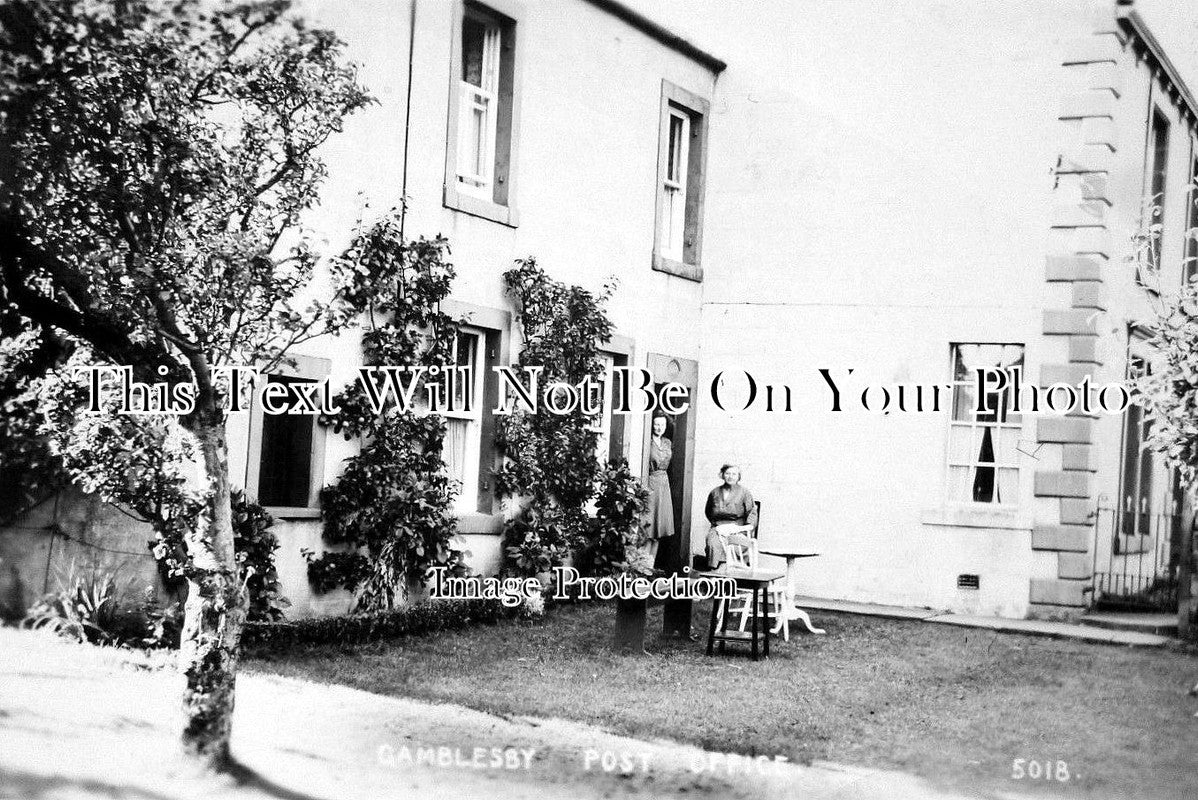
(661, 505)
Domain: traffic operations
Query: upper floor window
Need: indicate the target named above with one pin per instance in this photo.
(478, 108)
(1190, 268)
(673, 215)
(482, 120)
(983, 462)
(1158, 172)
(681, 176)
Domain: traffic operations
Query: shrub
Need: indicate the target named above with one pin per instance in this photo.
(332, 570)
(617, 531)
(420, 618)
(84, 607)
(163, 622)
(255, 545)
(550, 460)
(536, 540)
(393, 501)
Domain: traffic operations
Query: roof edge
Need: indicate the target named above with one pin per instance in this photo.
(1134, 24)
(661, 34)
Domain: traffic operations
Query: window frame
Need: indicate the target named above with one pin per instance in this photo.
(677, 101)
(674, 185)
(306, 368)
(485, 516)
(467, 498)
(480, 181)
(1189, 264)
(1156, 181)
(621, 350)
(500, 205)
(998, 425)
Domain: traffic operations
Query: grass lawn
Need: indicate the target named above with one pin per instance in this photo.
(955, 705)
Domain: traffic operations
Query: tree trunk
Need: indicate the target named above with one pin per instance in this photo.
(215, 611)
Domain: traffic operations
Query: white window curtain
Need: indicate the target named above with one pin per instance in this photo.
(462, 446)
(983, 457)
(454, 448)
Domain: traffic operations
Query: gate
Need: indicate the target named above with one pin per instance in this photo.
(1136, 557)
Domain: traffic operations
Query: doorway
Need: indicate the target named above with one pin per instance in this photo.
(1137, 538)
(673, 554)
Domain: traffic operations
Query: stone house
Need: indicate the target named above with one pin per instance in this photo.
(908, 190)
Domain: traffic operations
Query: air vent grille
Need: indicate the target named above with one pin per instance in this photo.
(968, 581)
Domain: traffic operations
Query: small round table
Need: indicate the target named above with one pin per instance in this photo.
(793, 611)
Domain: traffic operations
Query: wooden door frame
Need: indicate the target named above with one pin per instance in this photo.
(684, 371)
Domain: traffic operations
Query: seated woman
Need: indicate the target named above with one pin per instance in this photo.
(728, 505)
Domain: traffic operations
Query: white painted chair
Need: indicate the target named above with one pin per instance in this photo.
(744, 555)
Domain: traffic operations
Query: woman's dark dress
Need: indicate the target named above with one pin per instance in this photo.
(661, 505)
(736, 508)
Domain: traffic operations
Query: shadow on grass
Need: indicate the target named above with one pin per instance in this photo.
(32, 786)
(250, 778)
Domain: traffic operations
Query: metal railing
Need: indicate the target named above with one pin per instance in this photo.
(1135, 559)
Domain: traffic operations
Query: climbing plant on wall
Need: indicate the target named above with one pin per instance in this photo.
(550, 466)
(391, 507)
(617, 533)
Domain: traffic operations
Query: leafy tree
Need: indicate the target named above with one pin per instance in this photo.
(155, 158)
(394, 498)
(617, 533)
(550, 457)
(28, 470)
(1169, 390)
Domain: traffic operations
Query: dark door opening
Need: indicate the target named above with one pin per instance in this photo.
(673, 554)
(670, 555)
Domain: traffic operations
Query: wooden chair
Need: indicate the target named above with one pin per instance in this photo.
(745, 556)
(737, 556)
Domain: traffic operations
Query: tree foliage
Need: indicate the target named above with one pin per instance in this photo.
(394, 499)
(1168, 389)
(617, 532)
(551, 465)
(155, 157)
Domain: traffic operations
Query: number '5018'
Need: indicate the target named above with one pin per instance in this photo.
(1040, 770)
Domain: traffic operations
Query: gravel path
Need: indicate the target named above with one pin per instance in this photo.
(83, 722)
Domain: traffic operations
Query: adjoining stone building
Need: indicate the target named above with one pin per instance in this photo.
(926, 188)
(908, 190)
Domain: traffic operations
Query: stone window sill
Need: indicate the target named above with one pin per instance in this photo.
(478, 523)
(691, 272)
(477, 207)
(288, 512)
(976, 515)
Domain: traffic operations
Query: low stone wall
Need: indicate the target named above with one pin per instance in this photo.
(73, 534)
